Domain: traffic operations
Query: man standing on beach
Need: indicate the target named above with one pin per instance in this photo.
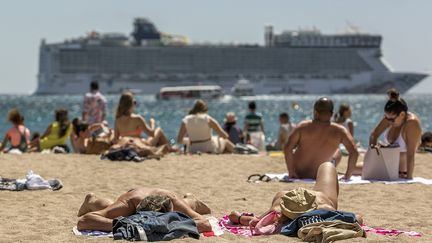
(94, 110)
(316, 141)
(254, 127)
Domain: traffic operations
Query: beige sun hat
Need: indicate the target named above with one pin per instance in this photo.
(297, 202)
(230, 117)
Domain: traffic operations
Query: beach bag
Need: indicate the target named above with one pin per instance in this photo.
(98, 145)
(381, 163)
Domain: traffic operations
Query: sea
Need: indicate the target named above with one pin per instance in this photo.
(367, 110)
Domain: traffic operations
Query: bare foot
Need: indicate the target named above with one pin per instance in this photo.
(196, 204)
(240, 218)
(203, 225)
(85, 206)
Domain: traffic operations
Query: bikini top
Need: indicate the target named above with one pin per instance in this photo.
(399, 140)
(134, 133)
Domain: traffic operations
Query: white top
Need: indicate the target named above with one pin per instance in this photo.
(197, 127)
(399, 140)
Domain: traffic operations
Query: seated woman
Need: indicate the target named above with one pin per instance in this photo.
(56, 134)
(198, 126)
(129, 124)
(399, 126)
(90, 139)
(426, 142)
(324, 195)
(18, 136)
(343, 117)
(234, 132)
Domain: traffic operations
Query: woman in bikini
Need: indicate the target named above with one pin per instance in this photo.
(18, 136)
(131, 125)
(399, 126)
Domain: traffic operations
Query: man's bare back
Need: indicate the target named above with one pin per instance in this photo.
(314, 142)
(97, 214)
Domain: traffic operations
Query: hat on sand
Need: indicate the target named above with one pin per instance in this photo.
(230, 117)
(297, 202)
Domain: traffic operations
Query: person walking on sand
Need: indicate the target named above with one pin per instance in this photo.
(315, 141)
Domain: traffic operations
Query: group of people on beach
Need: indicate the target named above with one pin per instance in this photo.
(311, 149)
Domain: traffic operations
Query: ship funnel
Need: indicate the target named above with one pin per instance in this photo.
(144, 30)
(268, 36)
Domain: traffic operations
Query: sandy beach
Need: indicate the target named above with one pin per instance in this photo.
(219, 180)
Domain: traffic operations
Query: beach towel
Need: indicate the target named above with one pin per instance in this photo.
(354, 180)
(91, 233)
(389, 232)
(32, 182)
(236, 229)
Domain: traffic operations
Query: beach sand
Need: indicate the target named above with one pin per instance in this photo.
(219, 180)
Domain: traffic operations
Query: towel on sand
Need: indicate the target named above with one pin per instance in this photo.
(354, 180)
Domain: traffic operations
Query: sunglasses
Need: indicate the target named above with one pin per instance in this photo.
(391, 119)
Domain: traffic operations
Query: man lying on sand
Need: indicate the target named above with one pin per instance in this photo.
(316, 141)
(325, 194)
(98, 213)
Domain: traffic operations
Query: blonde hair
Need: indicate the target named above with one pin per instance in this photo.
(125, 104)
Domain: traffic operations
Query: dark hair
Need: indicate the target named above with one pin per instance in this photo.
(200, 106)
(395, 104)
(15, 117)
(79, 126)
(338, 117)
(252, 105)
(155, 203)
(94, 85)
(284, 115)
(324, 105)
(125, 104)
(61, 116)
(426, 138)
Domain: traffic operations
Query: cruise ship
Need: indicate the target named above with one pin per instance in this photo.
(289, 62)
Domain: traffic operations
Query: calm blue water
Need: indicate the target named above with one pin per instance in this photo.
(367, 110)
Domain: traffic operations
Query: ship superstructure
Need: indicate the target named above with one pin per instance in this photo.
(304, 61)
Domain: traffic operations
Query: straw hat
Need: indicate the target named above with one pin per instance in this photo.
(230, 117)
(297, 202)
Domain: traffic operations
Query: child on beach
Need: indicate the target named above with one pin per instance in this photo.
(18, 136)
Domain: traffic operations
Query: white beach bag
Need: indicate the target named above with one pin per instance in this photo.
(381, 164)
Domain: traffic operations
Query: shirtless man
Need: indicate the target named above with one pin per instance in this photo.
(316, 141)
(98, 213)
(326, 191)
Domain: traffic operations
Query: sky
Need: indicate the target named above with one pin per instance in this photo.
(404, 25)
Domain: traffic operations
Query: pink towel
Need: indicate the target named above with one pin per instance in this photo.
(389, 232)
(236, 229)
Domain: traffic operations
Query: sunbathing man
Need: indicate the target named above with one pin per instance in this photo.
(316, 141)
(98, 213)
(325, 190)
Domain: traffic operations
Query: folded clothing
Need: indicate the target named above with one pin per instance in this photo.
(330, 231)
(154, 226)
(32, 182)
(123, 154)
(320, 215)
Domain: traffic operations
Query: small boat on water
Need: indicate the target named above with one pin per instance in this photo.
(191, 92)
(243, 88)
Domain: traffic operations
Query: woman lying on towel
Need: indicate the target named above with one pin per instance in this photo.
(289, 205)
(401, 127)
(129, 124)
